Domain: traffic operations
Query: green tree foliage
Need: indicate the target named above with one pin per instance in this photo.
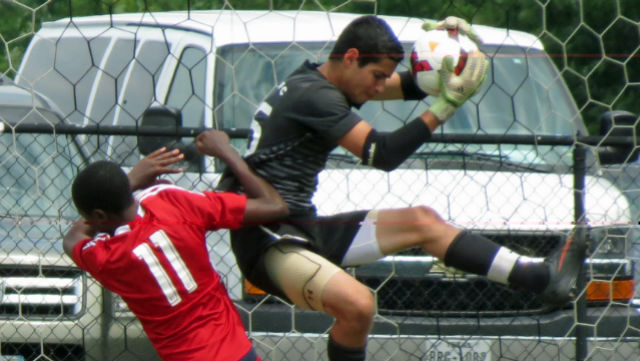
(594, 43)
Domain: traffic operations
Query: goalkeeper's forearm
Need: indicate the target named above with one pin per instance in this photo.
(386, 151)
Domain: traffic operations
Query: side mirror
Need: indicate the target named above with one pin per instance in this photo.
(618, 123)
(169, 120)
(162, 119)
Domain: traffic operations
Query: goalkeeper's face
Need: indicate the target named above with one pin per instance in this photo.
(362, 83)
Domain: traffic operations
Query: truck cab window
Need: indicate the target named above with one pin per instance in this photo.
(188, 87)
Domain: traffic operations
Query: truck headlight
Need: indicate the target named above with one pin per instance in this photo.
(610, 265)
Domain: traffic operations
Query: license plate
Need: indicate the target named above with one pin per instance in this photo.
(457, 350)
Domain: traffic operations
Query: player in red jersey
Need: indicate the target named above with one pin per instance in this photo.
(151, 249)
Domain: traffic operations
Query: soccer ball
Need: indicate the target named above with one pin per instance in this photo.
(429, 50)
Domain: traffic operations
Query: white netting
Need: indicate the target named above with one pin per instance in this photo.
(216, 67)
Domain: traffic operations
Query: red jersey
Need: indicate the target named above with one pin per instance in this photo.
(159, 265)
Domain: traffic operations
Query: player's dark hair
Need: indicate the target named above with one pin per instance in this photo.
(101, 185)
(373, 38)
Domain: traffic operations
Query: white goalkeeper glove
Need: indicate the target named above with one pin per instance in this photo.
(455, 24)
(456, 89)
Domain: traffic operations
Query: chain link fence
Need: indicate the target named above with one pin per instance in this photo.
(517, 164)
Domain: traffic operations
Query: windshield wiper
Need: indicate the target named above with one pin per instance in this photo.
(469, 160)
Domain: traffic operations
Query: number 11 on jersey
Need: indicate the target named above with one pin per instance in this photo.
(163, 242)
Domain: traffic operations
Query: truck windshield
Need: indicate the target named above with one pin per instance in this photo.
(525, 96)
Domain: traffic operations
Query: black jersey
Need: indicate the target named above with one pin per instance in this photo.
(294, 130)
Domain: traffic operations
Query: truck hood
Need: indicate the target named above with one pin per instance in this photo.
(475, 199)
(33, 240)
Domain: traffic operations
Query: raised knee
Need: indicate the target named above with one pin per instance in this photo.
(425, 216)
(365, 305)
(425, 212)
(357, 307)
(361, 307)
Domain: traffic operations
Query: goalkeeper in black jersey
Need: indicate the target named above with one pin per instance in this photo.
(295, 129)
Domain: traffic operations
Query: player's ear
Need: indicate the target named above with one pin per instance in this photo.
(351, 56)
(97, 216)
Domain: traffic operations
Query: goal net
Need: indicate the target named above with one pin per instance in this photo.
(546, 149)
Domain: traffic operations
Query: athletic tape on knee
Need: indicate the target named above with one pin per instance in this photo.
(301, 274)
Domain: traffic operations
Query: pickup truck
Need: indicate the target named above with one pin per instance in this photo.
(504, 166)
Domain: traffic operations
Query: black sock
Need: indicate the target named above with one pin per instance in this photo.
(533, 276)
(337, 352)
(471, 253)
(476, 254)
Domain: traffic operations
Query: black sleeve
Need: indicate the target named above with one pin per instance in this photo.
(387, 151)
(323, 108)
(410, 89)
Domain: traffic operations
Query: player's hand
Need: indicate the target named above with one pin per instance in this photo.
(214, 143)
(453, 23)
(146, 171)
(456, 89)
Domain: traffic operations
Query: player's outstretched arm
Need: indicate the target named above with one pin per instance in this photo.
(263, 201)
(146, 171)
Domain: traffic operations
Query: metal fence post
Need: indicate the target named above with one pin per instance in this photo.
(579, 167)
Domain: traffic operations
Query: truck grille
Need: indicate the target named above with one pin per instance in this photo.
(43, 352)
(33, 291)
